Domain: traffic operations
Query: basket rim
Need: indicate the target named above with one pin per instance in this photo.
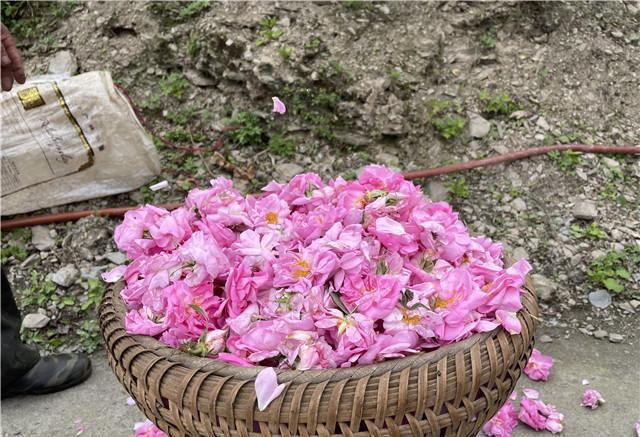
(222, 368)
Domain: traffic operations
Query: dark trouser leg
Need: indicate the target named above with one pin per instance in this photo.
(17, 357)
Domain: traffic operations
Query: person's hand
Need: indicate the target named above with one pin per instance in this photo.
(11, 61)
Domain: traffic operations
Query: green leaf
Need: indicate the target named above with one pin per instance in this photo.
(338, 301)
(613, 285)
(623, 273)
(199, 311)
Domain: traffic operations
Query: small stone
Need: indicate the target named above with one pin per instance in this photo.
(634, 303)
(41, 239)
(519, 205)
(199, 79)
(30, 261)
(478, 126)
(616, 338)
(288, 170)
(63, 62)
(586, 210)
(65, 276)
(116, 257)
(600, 334)
(542, 124)
(617, 34)
(387, 159)
(354, 139)
(518, 115)
(626, 307)
(611, 163)
(539, 137)
(546, 339)
(584, 331)
(600, 299)
(437, 191)
(543, 286)
(520, 253)
(35, 321)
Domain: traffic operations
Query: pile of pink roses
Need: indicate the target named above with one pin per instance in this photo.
(312, 274)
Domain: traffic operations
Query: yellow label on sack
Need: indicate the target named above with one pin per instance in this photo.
(30, 98)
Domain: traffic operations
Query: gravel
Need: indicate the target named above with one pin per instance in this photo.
(616, 338)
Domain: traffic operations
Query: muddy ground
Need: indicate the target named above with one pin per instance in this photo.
(408, 85)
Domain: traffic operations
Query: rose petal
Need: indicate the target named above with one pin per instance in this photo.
(267, 388)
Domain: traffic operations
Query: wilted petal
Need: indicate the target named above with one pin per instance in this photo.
(114, 275)
(592, 399)
(531, 393)
(538, 366)
(278, 106)
(267, 388)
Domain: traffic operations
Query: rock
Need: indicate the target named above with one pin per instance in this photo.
(520, 253)
(617, 34)
(600, 333)
(288, 170)
(616, 338)
(478, 126)
(519, 115)
(35, 321)
(519, 205)
(65, 276)
(30, 261)
(611, 163)
(41, 238)
(387, 159)
(437, 191)
(353, 139)
(199, 79)
(626, 307)
(116, 257)
(600, 299)
(544, 287)
(634, 303)
(546, 339)
(584, 331)
(586, 210)
(542, 124)
(63, 62)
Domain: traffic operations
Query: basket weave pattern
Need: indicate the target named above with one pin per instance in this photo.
(452, 391)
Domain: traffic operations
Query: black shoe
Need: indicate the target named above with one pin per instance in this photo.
(52, 373)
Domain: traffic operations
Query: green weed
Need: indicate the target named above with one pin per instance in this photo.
(612, 270)
(488, 41)
(282, 146)
(313, 43)
(285, 52)
(458, 189)
(183, 116)
(94, 294)
(250, 132)
(566, 161)
(174, 85)
(449, 126)
(269, 31)
(13, 251)
(193, 46)
(499, 104)
(592, 231)
(89, 334)
(194, 8)
(152, 103)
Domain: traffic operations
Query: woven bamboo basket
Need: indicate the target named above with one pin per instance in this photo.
(451, 391)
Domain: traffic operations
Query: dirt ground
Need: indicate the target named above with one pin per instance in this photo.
(408, 85)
